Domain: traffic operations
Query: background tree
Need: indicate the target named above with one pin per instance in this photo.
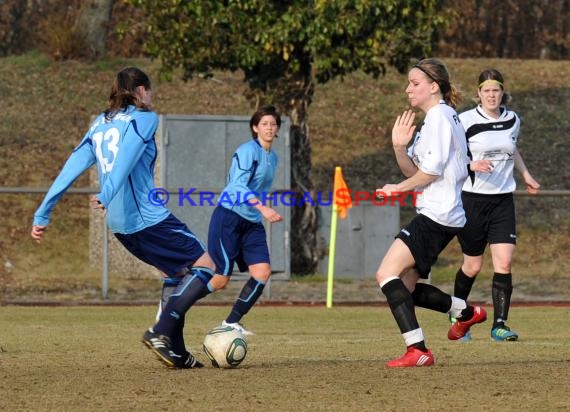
(94, 18)
(63, 29)
(284, 48)
(527, 29)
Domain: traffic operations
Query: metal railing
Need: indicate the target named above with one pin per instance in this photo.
(105, 232)
(105, 242)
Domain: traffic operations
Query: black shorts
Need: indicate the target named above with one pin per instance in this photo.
(490, 219)
(426, 239)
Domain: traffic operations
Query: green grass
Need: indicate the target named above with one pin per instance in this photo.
(305, 359)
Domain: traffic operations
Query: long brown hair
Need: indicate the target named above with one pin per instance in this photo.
(123, 91)
(436, 70)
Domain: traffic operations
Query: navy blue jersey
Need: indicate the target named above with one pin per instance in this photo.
(125, 152)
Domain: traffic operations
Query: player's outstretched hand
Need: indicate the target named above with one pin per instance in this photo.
(403, 129)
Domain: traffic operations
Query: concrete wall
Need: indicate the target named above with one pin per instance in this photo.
(362, 239)
(195, 152)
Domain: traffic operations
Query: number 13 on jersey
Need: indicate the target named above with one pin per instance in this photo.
(106, 148)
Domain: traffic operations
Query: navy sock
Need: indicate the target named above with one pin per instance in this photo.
(250, 292)
(169, 285)
(193, 287)
(463, 285)
(430, 297)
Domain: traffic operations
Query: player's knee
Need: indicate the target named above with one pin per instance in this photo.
(503, 267)
(205, 261)
(471, 269)
(380, 276)
(260, 272)
(262, 277)
(219, 282)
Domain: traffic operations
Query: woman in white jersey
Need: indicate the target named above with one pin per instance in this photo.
(492, 133)
(436, 164)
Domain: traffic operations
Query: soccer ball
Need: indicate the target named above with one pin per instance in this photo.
(225, 347)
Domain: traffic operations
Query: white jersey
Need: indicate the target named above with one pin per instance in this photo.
(495, 140)
(440, 149)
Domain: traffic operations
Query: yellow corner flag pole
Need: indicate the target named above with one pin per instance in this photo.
(332, 250)
(340, 208)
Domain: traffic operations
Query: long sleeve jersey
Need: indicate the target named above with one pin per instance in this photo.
(251, 175)
(124, 150)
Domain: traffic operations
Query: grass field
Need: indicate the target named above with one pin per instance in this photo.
(301, 359)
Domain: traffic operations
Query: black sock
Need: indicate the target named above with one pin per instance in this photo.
(430, 297)
(249, 294)
(501, 292)
(421, 346)
(193, 287)
(463, 285)
(467, 313)
(401, 304)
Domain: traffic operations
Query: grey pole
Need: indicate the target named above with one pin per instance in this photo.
(105, 268)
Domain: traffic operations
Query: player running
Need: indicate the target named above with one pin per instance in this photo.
(492, 133)
(436, 164)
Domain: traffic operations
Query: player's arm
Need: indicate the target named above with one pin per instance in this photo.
(439, 138)
(405, 164)
(242, 171)
(532, 186)
(268, 213)
(80, 160)
(418, 180)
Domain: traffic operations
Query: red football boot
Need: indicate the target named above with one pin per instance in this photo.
(412, 357)
(460, 328)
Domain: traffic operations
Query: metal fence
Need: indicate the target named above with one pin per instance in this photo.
(105, 239)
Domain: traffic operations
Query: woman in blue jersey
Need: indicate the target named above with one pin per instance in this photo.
(236, 233)
(435, 164)
(121, 142)
(492, 132)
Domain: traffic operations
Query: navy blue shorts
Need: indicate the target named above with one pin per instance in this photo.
(426, 239)
(169, 245)
(233, 239)
(490, 219)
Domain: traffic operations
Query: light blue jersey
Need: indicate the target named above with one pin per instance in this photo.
(125, 152)
(251, 175)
